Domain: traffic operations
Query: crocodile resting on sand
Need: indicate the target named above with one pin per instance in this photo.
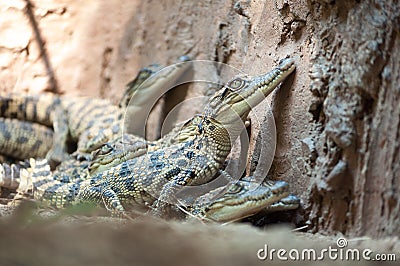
(194, 155)
(229, 203)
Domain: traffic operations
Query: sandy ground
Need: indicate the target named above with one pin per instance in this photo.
(32, 237)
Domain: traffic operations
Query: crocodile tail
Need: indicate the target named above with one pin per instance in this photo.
(37, 108)
(25, 127)
(22, 140)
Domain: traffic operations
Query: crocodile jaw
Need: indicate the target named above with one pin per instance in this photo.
(246, 202)
(241, 94)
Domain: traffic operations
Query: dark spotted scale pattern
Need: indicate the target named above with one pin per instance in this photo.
(36, 139)
(203, 143)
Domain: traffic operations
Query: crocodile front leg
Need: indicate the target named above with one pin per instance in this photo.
(102, 195)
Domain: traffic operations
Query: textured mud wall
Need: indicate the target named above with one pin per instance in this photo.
(337, 119)
(355, 81)
(73, 42)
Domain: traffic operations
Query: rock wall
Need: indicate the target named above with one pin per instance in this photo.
(355, 81)
(337, 119)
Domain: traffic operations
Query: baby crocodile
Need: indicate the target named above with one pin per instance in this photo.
(196, 155)
(241, 199)
(229, 203)
(86, 121)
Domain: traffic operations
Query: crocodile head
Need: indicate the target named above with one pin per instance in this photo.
(133, 86)
(153, 81)
(142, 93)
(242, 93)
(242, 199)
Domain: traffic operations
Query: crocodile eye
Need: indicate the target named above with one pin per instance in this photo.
(144, 74)
(236, 84)
(236, 188)
(106, 148)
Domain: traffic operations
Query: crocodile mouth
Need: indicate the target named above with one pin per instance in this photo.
(246, 203)
(243, 93)
(265, 83)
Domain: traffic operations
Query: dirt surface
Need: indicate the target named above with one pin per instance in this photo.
(337, 119)
(72, 240)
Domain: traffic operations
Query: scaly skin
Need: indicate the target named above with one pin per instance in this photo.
(129, 146)
(226, 106)
(242, 199)
(195, 157)
(90, 122)
(229, 203)
(117, 151)
(20, 140)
